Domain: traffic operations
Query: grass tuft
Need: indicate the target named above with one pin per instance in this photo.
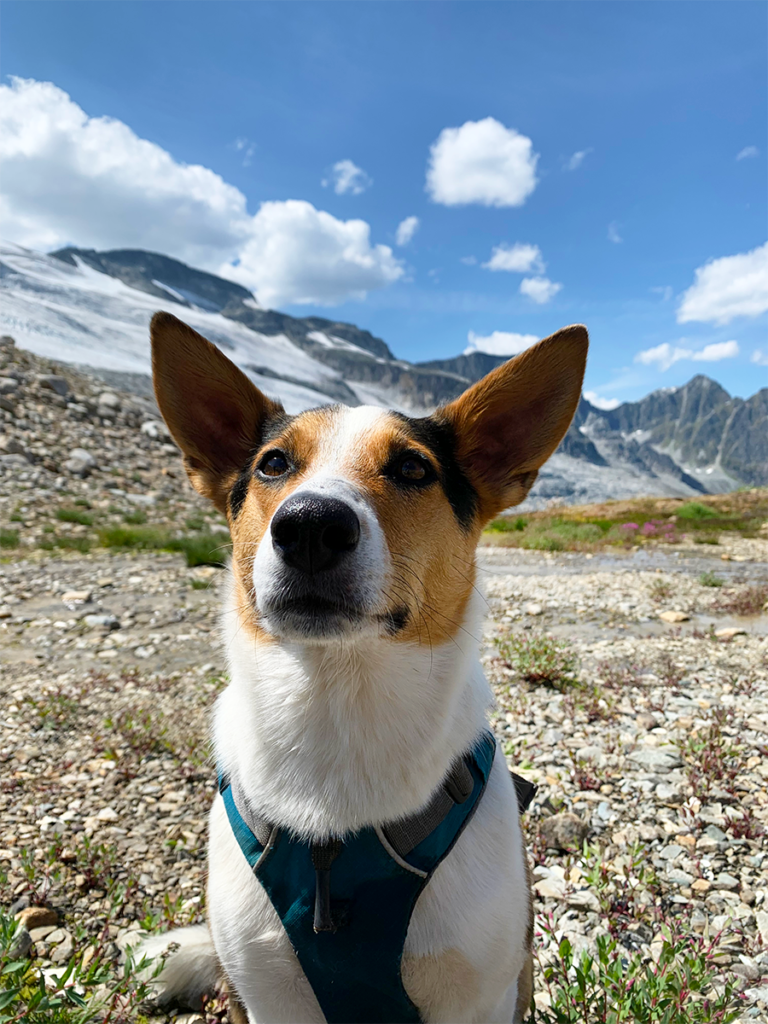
(9, 538)
(74, 515)
(748, 601)
(540, 659)
(695, 510)
(710, 579)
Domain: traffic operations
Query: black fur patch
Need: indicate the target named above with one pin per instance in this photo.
(437, 435)
(271, 429)
(396, 620)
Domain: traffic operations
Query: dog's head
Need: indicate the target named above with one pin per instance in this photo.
(353, 522)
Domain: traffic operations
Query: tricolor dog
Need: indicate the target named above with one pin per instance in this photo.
(366, 861)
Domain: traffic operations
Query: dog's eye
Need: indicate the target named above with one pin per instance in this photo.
(273, 464)
(413, 468)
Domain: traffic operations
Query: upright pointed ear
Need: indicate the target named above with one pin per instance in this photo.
(509, 423)
(214, 413)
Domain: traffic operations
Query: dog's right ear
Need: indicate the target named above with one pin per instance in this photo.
(214, 413)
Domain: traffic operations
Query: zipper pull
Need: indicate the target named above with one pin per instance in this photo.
(323, 856)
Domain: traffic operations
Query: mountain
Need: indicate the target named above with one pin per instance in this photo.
(92, 309)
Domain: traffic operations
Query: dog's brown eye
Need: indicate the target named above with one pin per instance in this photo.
(273, 464)
(413, 468)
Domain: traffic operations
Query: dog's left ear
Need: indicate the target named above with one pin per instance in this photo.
(214, 413)
(509, 423)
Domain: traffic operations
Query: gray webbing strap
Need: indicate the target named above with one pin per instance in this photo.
(406, 834)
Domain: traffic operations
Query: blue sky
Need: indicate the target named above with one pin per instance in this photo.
(613, 149)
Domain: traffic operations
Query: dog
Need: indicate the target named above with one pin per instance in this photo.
(351, 624)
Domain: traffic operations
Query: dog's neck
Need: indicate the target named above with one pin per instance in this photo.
(327, 739)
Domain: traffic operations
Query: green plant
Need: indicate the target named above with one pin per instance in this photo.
(615, 986)
(710, 579)
(695, 510)
(199, 584)
(195, 523)
(137, 518)
(66, 543)
(9, 538)
(74, 515)
(539, 658)
(661, 590)
(16, 517)
(80, 993)
(200, 549)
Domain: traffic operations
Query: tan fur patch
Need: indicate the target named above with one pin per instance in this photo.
(440, 984)
(524, 991)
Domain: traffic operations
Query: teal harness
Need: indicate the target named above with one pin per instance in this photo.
(346, 904)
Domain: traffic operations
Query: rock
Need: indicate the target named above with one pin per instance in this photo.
(646, 722)
(668, 794)
(533, 609)
(713, 832)
(37, 917)
(674, 616)
(64, 949)
(10, 446)
(107, 814)
(80, 462)
(761, 917)
(7, 342)
(730, 633)
(7, 404)
(656, 759)
(701, 885)
(109, 402)
(21, 943)
(726, 881)
(76, 596)
(156, 429)
(564, 831)
(8, 385)
(102, 621)
(53, 383)
(550, 888)
(38, 934)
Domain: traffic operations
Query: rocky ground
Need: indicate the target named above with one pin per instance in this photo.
(631, 688)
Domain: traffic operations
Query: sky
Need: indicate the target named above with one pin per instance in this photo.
(451, 176)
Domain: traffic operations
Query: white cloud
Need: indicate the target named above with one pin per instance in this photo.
(760, 358)
(469, 260)
(728, 287)
(242, 145)
(520, 258)
(601, 403)
(539, 289)
(296, 253)
(747, 152)
(72, 179)
(665, 355)
(347, 177)
(499, 343)
(665, 291)
(481, 162)
(613, 232)
(575, 161)
(406, 229)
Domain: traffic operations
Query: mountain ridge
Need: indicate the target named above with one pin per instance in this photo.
(89, 306)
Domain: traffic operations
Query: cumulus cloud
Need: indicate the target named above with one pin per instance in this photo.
(91, 181)
(575, 161)
(242, 145)
(613, 232)
(406, 229)
(520, 258)
(299, 254)
(747, 152)
(726, 288)
(539, 289)
(347, 177)
(601, 403)
(499, 343)
(760, 358)
(481, 162)
(665, 355)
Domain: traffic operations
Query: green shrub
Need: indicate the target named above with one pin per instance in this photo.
(74, 515)
(695, 510)
(617, 986)
(500, 525)
(710, 579)
(195, 523)
(82, 544)
(9, 538)
(137, 518)
(539, 658)
(126, 537)
(544, 541)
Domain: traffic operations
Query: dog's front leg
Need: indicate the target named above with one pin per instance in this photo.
(250, 941)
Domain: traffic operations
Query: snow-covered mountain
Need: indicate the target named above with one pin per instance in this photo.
(93, 309)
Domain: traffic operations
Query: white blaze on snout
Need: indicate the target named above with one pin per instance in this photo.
(365, 572)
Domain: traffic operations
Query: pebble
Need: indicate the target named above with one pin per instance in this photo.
(37, 917)
(564, 831)
(674, 616)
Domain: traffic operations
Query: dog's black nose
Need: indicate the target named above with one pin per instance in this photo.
(313, 533)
